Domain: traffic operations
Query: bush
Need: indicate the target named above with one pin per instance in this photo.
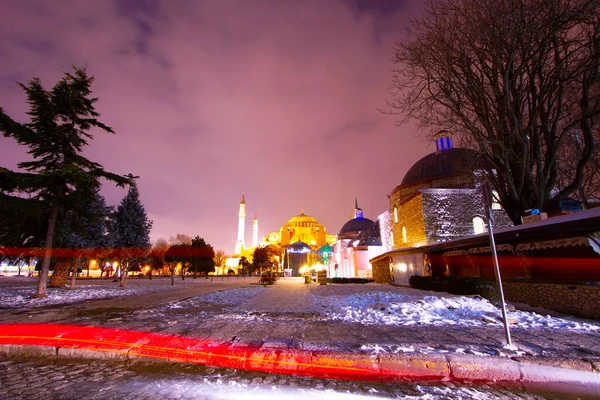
(349, 280)
(467, 285)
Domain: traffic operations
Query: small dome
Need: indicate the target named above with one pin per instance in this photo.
(356, 225)
(299, 247)
(325, 249)
(440, 163)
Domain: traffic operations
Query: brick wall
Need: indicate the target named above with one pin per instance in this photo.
(410, 216)
(579, 300)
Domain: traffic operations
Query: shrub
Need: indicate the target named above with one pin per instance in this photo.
(349, 280)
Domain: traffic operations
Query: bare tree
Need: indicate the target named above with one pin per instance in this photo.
(219, 258)
(180, 238)
(519, 79)
(157, 255)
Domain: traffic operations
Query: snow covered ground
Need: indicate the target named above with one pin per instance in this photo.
(364, 304)
(18, 292)
(397, 309)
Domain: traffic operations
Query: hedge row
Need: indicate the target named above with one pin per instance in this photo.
(350, 280)
(456, 285)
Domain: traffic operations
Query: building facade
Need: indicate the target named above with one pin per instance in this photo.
(439, 199)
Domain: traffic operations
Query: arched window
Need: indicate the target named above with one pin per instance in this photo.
(478, 225)
(391, 239)
(404, 238)
(396, 214)
(496, 201)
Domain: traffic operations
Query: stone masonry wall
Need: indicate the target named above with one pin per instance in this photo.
(381, 271)
(449, 213)
(578, 300)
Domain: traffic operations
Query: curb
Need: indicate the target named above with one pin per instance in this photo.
(84, 342)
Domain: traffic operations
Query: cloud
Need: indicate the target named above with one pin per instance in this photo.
(211, 98)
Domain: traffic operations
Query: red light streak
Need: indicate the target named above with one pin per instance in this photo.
(100, 252)
(225, 355)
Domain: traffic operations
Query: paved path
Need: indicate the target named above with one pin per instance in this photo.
(42, 379)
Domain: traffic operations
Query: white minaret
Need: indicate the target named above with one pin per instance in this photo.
(255, 231)
(239, 245)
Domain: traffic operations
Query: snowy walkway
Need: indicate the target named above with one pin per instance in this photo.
(287, 295)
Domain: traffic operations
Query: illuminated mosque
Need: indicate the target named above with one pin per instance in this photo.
(300, 242)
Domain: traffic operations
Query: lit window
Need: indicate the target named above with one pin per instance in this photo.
(404, 239)
(392, 239)
(496, 201)
(396, 214)
(478, 225)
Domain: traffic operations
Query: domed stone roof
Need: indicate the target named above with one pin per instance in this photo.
(302, 219)
(356, 225)
(442, 163)
(370, 237)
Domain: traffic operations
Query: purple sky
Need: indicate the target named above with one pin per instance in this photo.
(209, 99)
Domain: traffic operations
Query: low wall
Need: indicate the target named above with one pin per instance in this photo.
(578, 300)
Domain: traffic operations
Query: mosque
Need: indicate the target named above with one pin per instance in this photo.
(298, 243)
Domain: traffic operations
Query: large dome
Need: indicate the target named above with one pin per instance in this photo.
(356, 225)
(302, 220)
(441, 163)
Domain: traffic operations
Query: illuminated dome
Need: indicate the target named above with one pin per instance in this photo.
(325, 249)
(302, 220)
(440, 163)
(299, 247)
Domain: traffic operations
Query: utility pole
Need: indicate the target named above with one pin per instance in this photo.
(487, 201)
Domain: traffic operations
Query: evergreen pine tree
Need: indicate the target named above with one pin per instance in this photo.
(130, 230)
(84, 227)
(58, 177)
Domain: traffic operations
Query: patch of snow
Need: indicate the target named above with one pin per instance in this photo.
(22, 297)
(388, 308)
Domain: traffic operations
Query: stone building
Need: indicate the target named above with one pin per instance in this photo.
(439, 199)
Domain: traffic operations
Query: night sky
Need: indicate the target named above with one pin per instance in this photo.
(209, 99)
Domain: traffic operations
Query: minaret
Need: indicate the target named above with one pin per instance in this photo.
(239, 245)
(358, 212)
(255, 231)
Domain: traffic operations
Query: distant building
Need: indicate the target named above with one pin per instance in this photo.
(299, 239)
(358, 241)
(293, 246)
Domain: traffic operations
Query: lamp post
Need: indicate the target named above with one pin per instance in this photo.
(487, 201)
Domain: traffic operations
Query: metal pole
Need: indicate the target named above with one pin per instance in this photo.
(498, 279)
